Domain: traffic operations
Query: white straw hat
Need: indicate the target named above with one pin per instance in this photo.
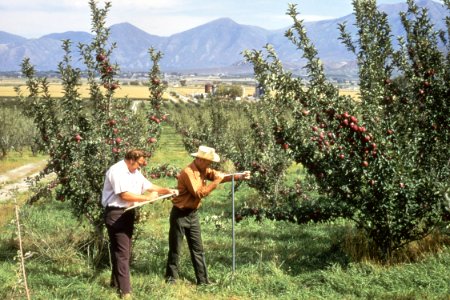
(207, 153)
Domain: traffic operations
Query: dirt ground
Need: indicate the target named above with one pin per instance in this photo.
(15, 180)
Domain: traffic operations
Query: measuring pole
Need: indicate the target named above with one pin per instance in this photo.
(233, 218)
(232, 224)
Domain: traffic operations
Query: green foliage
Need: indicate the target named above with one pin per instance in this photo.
(17, 132)
(238, 131)
(85, 136)
(383, 158)
(229, 91)
(273, 259)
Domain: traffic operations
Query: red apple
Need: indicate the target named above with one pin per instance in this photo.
(366, 139)
(100, 57)
(152, 140)
(77, 138)
(155, 80)
(238, 217)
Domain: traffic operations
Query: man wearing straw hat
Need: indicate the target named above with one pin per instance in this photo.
(184, 219)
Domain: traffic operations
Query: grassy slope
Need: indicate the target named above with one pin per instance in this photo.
(274, 260)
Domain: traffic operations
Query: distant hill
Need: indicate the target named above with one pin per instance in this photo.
(8, 38)
(215, 47)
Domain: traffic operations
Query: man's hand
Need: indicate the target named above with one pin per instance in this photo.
(246, 175)
(152, 195)
(219, 177)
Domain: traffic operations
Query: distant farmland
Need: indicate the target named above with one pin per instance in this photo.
(125, 90)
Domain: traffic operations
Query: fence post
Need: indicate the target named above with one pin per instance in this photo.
(22, 259)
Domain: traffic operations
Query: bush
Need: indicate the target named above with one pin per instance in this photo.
(16, 131)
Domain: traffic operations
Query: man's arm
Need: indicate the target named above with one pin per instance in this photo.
(240, 176)
(162, 190)
(131, 197)
(195, 187)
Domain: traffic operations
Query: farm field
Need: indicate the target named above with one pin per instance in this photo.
(132, 91)
(274, 260)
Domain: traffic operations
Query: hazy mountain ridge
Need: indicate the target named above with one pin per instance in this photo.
(214, 46)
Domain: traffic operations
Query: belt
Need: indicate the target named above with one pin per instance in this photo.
(184, 210)
(108, 208)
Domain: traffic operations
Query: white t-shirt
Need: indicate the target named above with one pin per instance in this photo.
(119, 179)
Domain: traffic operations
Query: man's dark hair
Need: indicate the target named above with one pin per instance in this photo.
(135, 154)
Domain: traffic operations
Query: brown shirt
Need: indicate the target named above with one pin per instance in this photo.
(192, 187)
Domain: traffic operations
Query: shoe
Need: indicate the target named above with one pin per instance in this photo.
(127, 296)
(206, 283)
(171, 280)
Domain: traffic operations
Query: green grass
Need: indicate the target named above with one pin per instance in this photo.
(17, 159)
(274, 260)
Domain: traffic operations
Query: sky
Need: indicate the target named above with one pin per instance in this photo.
(35, 18)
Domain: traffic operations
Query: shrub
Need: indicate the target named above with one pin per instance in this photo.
(17, 131)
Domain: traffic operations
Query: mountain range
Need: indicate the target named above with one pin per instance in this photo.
(214, 47)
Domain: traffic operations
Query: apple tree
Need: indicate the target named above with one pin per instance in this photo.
(84, 137)
(241, 132)
(17, 131)
(382, 159)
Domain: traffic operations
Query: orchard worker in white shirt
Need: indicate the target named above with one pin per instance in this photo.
(124, 185)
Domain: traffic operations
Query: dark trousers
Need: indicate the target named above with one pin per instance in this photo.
(120, 226)
(186, 223)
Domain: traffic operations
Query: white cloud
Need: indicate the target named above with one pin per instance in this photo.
(44, 5)
(146, 4)
(31, 25)
(34, 18)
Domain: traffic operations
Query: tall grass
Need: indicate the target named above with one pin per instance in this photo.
(274, 260)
